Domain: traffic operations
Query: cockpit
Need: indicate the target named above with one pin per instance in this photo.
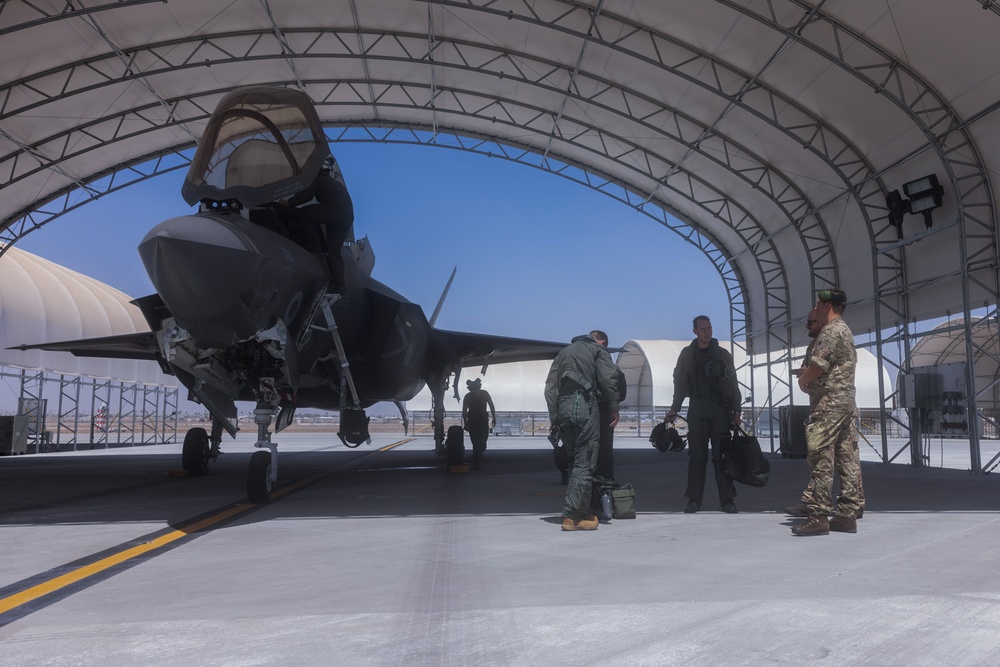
(261, 145)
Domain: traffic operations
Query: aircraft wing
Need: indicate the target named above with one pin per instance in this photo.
(472, 349)
(126, 346)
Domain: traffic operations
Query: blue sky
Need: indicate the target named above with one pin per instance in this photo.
(538, 256)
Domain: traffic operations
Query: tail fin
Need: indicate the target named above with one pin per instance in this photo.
(437, 309)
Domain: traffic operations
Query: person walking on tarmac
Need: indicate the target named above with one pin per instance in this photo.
(332, 212)
(580, 374)
(474, 416)
(705, 373)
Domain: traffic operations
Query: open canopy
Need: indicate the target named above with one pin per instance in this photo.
(260, 145)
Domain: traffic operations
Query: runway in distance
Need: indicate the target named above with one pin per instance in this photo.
(247, 307)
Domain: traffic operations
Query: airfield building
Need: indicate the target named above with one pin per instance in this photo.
(57, 400)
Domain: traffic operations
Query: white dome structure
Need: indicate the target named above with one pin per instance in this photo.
(648, 366)
(43, 302)
(518, 387)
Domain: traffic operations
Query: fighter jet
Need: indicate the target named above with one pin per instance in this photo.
(244, 308)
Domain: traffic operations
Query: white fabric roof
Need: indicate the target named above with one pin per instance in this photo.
(774, 129)
(649, 369)
(44, 302)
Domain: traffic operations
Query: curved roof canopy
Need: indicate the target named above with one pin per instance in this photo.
(42, 301)
(766, 133)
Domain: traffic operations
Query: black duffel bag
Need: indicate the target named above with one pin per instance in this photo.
(743, 461)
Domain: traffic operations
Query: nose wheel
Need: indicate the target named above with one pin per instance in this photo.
(263, 470)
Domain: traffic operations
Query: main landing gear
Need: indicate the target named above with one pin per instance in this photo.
(199, 449)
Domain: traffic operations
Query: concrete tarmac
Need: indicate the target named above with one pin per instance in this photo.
(377, 556)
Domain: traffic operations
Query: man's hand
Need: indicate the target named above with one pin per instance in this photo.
(810, 374)
(614, 419)
(670, 416)
(554, 435)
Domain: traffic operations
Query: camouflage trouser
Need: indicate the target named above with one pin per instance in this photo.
(580, 434)
(832, 440)
(842, 468)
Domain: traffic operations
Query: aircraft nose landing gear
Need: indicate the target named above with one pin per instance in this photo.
(263, 470)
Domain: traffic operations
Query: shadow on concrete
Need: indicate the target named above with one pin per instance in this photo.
(126, 487)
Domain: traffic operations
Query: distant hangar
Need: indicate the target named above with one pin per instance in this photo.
(648, 366)
(42, 301)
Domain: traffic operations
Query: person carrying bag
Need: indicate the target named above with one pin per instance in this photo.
(743, 461)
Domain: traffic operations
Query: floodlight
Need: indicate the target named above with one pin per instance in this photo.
(898, 207)
(925, 195)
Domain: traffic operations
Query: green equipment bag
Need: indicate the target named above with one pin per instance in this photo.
(623, 502)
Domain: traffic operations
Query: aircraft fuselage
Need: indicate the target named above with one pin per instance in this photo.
(244, 298)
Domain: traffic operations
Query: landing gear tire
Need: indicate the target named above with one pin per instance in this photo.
(258, 478)
(194, 455)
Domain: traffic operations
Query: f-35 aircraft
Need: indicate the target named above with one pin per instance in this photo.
(243, 309)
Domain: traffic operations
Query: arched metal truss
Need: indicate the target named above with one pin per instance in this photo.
(612, 133)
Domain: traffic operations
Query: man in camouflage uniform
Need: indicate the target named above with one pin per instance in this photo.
(580, 374)
(813, 327)
(831, 431)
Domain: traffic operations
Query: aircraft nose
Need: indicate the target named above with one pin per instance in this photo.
(201, 268)
(191, 270)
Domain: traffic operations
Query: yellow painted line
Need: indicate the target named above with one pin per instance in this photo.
(97, 567)
(81, 573)
(395, 444)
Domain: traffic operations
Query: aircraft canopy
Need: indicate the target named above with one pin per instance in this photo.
(261, 145)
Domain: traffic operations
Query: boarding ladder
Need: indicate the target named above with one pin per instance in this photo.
(346, 379)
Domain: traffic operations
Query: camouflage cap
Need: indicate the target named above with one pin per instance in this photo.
(832, 296)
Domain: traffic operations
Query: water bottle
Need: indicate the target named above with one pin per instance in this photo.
(606, 504)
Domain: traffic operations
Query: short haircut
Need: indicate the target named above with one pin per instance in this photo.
(599, 335)
(835, 297)
(694, 322)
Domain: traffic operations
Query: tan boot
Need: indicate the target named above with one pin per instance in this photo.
(814, 525)
(588, 523)
(843, 524)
